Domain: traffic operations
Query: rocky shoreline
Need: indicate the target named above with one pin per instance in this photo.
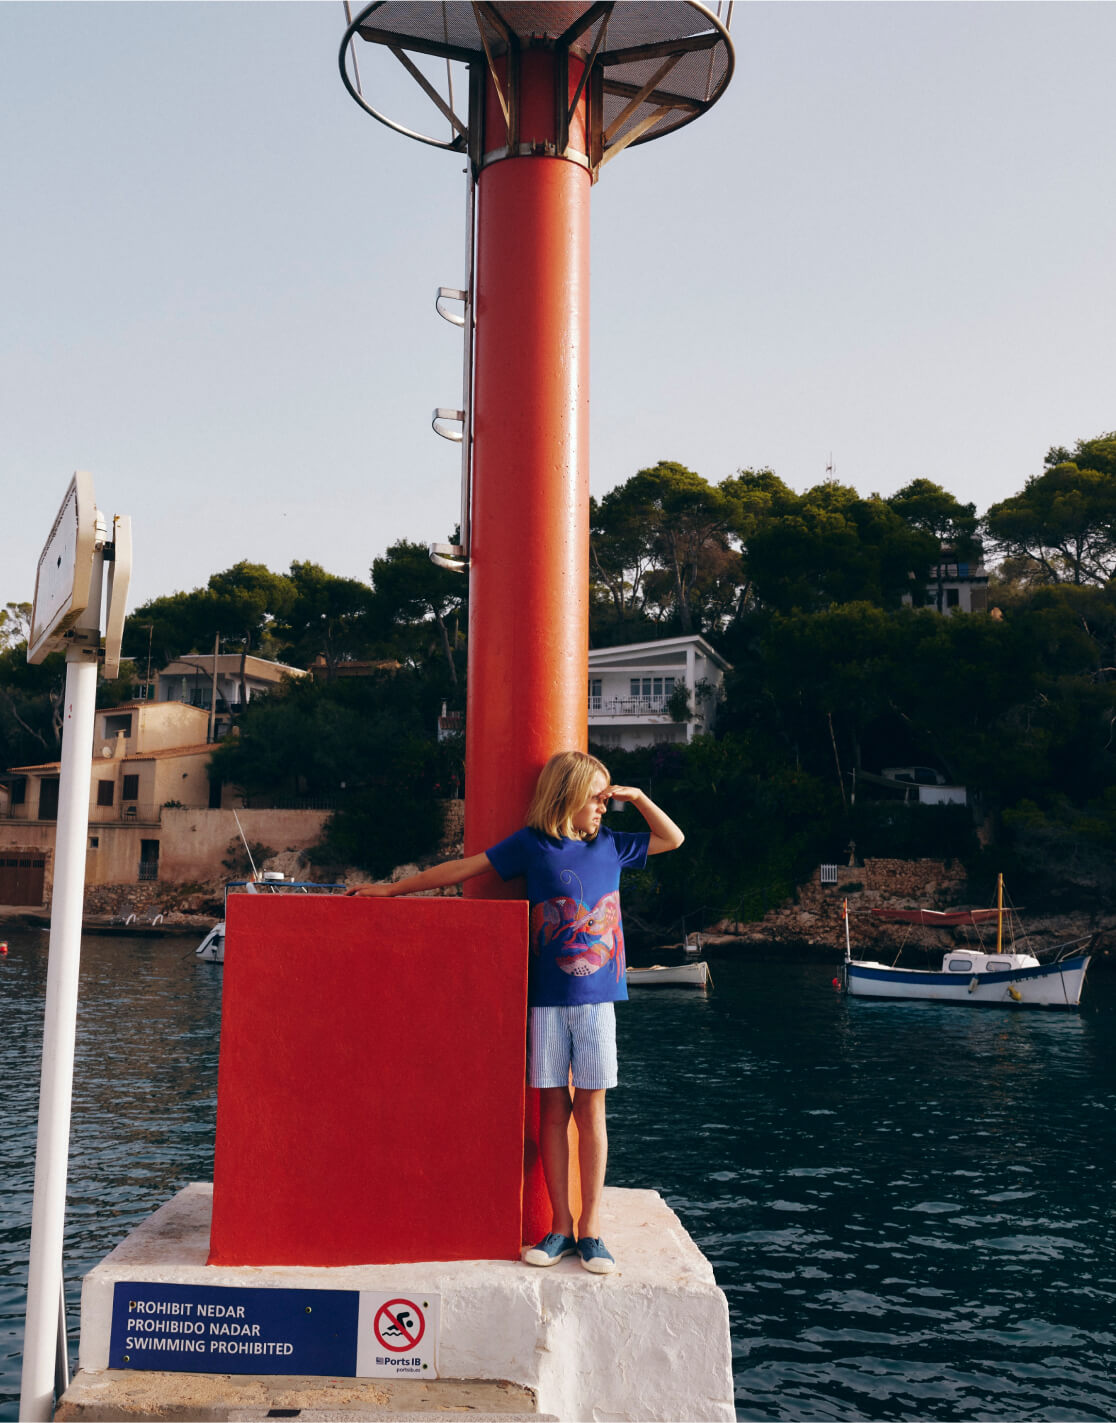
(809, 927)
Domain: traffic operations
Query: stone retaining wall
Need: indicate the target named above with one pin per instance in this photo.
(453, 838)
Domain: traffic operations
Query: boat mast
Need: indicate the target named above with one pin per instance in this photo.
(845, 916)
(999, 914)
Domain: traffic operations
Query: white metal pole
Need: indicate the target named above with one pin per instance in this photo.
(48, 1211)
(213, 689)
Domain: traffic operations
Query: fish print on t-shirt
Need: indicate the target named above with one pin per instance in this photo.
(581, 940)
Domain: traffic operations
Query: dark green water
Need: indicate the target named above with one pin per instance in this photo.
(908, 1206)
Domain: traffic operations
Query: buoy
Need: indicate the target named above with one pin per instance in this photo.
(836, 983)
(1015, 993)
(3, 946)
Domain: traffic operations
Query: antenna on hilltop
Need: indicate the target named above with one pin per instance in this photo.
(830, 470)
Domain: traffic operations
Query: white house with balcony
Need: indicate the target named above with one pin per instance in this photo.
(646, 693)
(958, 586)
(235, 677)
(955, 585)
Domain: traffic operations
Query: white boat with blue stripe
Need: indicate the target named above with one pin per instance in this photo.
(971, 975)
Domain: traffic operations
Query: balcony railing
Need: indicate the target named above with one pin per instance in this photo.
(629, 706)
(129, 812)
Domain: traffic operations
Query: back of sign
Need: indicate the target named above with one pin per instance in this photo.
(64, 577)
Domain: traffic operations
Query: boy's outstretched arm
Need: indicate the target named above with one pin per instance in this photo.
(436, 877)
(665, 835)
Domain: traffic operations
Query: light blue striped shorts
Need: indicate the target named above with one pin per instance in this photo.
(582, 1037)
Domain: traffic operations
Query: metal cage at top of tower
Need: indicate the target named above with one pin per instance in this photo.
(647, 67)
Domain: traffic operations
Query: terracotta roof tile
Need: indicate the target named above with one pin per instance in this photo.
(204, 749)
(167, 753)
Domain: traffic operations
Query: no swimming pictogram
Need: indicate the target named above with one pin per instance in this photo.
(399, 1325)
(397, 1334)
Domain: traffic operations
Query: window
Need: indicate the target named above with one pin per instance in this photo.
(94, 842)
(149, 860)
(48, 798)
(668, 686)
(633, 687)
(105, 792)
(960, 965)
(123, 723)
(19, 791)
(953, 597)
(130, 789)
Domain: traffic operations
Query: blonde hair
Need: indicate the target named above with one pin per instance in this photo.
(563, 787)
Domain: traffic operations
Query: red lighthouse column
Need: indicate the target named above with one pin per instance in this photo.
(555, 92)
(529, 549)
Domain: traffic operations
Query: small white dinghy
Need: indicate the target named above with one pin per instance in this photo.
(688, 975)
(973, 974)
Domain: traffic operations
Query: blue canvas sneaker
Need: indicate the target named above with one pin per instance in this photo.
(550, 1249)
(594, 1256)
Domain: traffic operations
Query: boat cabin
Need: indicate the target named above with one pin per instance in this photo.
(969, 962)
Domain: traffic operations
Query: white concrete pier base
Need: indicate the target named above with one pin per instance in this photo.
(650, 1341)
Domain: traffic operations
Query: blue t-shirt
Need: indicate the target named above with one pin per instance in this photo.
(577, 938)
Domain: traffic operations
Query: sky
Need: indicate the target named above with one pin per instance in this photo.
(888, 249)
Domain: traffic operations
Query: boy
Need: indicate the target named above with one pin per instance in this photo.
(576, 970)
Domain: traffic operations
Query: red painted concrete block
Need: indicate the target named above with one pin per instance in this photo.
(371, 1081)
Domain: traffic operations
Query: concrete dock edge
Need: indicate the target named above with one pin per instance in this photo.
(649, 1342)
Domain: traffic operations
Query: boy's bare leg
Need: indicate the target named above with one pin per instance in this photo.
(554, 1147)
(589, 1114)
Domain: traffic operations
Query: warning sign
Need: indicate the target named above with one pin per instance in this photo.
(397, 1335)
(242, 1330)
(399, 1325)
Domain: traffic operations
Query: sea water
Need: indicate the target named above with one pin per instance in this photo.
(909, 1206)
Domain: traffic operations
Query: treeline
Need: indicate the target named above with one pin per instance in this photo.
(819, 601)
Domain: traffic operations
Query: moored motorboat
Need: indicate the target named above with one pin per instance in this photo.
(691, 975)
(212, 947)
(972, 974)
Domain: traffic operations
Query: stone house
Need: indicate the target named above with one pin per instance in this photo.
(154, 813)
